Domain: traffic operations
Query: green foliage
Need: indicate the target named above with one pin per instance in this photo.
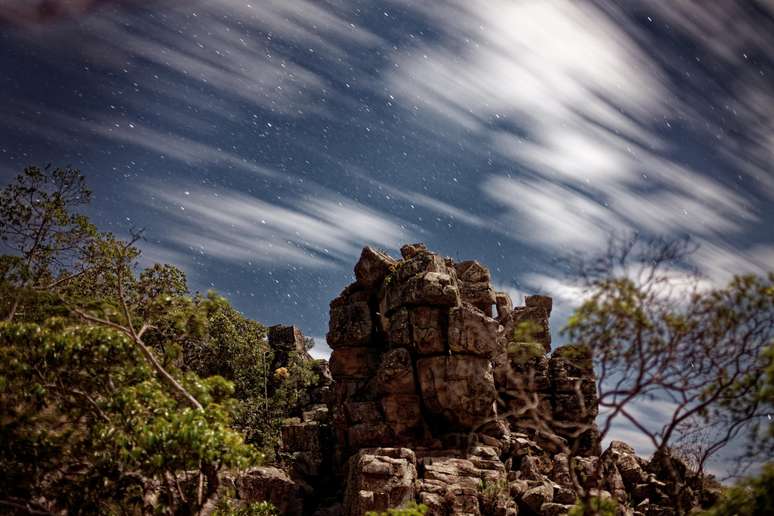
(523, 352)
(526, 331)
(595, 506)
(493, 493)
(235, 347)
(751, 497)
(227, 507)
(709, 350)
(87, 423)
(38, 222)
(410, 510)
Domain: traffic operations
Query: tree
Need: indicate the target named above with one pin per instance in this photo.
(752, 496)
(98, 412)
(656, 332)
(39, 223)
(88, 426)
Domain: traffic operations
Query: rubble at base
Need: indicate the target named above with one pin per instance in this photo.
(424, 406)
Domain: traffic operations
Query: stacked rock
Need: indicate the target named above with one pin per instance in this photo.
(445, 394)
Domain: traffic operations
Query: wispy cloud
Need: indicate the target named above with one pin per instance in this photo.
(321, 230)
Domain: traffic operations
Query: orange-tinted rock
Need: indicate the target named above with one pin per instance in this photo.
(472, 332)
(458, 390)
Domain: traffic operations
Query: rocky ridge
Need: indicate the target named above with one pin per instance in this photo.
(441, 392)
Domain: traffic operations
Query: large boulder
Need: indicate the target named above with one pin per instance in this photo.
(380, 479)
(627, 463)
(428, 330)
(421, 329)
(353, 362)
(403, 414)
(458, 389)
(396, 373)
(530, 322)
(272, 485)
(504, 305)
(475, 285)
(423, 279)
(474, 333)
(427, 288)
(372, 267)
(350, 323)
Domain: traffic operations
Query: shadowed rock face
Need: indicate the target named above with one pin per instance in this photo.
(423, 327)
(428, 401)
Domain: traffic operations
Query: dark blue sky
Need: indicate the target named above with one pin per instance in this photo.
(262, 144)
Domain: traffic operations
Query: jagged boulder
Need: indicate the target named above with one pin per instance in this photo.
(428, 330)
(472, 332)
(350, 322)
(273, 485)
(626, 462)
(372, 267)
(395, 374)
(475, 285)
(359, 362)
(458, 389)
(380, 479)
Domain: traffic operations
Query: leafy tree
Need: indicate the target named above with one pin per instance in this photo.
(655, 331)
(753, 496)
(88, 426)
(235, 347)
(39, 224)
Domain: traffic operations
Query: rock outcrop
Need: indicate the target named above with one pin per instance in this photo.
(443, 393)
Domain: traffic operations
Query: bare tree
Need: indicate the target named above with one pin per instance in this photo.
(658, 332)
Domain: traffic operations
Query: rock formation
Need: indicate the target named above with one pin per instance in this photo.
(445, 394)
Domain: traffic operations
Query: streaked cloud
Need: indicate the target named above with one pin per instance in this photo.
(318, 231)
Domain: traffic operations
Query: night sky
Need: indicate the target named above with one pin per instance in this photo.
(262, 144)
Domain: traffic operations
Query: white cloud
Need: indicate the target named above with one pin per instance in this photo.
(316, 231)
(321, 348)
(593, 112)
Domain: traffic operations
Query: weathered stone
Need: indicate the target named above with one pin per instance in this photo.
(530, 324)
(543, 302)
(408, 251)
(397, 327)
(396, 373)
(564, 495)
(433, 326)
(372, 267)
(287, 338)
(472, 332)
(272, 485)
(613, 482)
(365, 435)
(554, 509)
(353, 362)
(403, 414)
(561, 472)
(362, 412)
(420, 263)
(475, 285)
(350, 323)
(504, 305)
(428, 288)
(458, 389)
(536, 496)
(428, 327)
(380, 479)
(623, 457)
(301, 437)
(435, 503)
